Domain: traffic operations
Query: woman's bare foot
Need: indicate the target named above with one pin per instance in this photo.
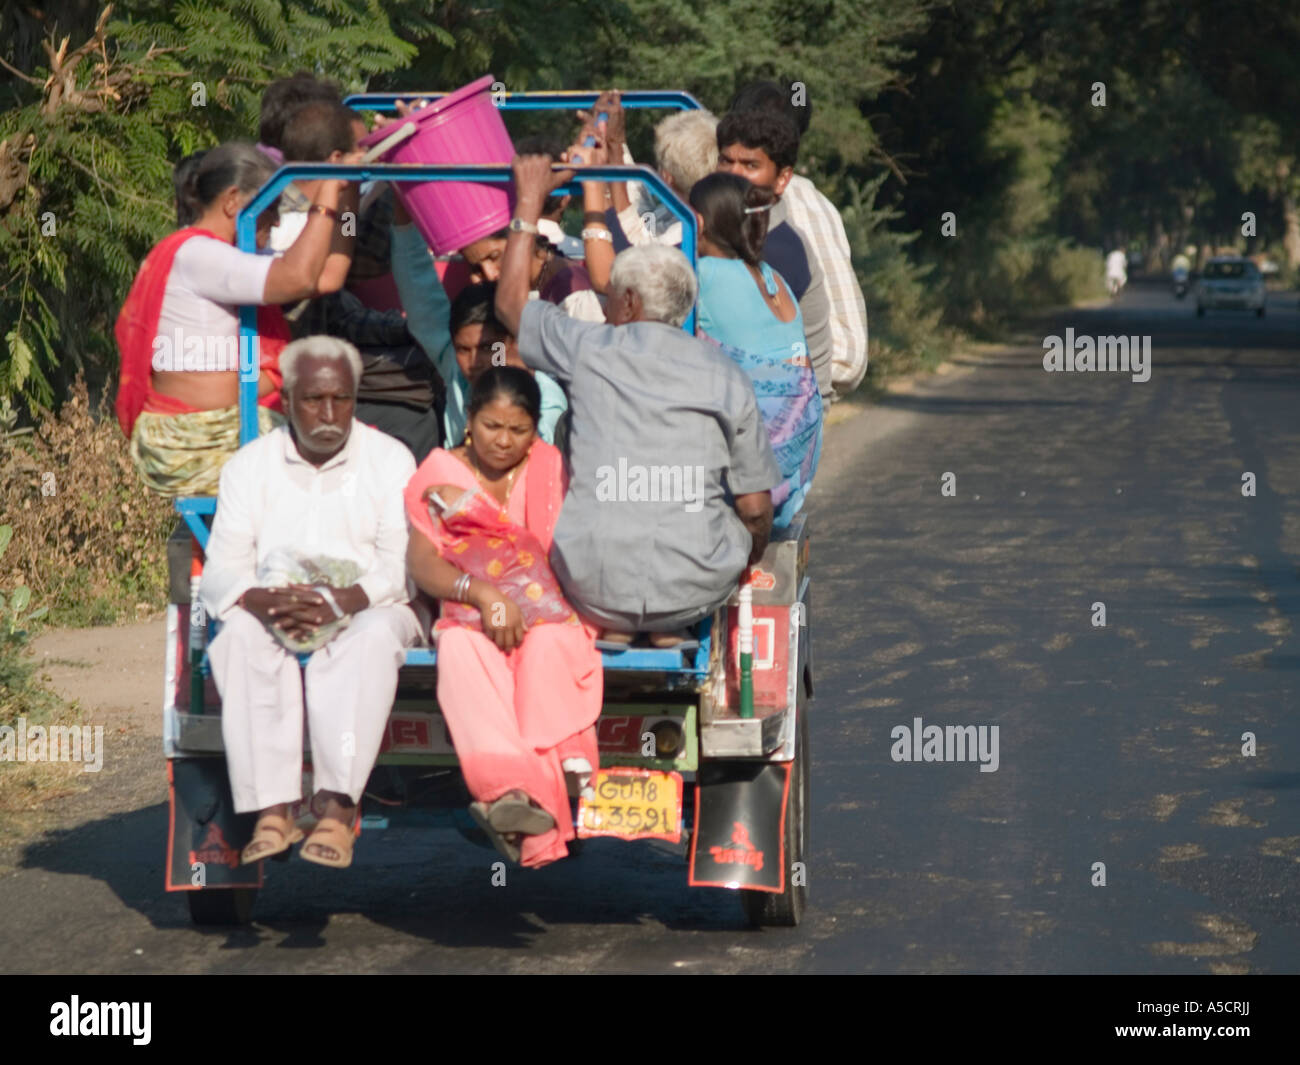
(668, 639)
(609, 636)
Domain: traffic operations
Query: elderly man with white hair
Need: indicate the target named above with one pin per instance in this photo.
(308, 552)
(671, 470)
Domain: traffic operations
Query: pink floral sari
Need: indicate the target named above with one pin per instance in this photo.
(516, 718)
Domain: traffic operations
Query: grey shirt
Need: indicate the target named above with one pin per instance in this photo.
(663, 426)
(814, 304)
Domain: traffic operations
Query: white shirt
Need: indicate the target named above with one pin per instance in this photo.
(272, 499)
(209, 279)
(819, 221)
(287, 230)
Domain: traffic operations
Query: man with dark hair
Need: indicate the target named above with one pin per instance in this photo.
(320, 131)
(762, 147)
(480, 341)
(770, 96)
(279, 101)
(823, 229)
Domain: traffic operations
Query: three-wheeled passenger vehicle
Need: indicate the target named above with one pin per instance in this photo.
(703, 745)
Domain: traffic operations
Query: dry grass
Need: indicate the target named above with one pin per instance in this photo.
(89, 540)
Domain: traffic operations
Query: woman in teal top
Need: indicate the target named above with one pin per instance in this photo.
(747, 308)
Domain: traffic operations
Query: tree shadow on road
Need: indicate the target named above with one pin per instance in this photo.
(430, 886)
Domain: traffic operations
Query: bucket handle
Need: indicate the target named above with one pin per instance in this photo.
(405, 130)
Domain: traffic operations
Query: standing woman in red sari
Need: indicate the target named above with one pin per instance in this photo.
(178, 332)
(520, 681)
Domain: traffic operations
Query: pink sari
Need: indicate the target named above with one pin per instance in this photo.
(515, 717)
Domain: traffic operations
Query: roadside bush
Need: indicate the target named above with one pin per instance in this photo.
(902, 315)
(19, 693)
(1074, 274)
(88, 540)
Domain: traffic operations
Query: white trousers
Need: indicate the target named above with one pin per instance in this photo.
(350, 684)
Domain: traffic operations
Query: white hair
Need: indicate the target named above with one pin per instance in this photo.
(320, 347)
(661, 276)
(686, 148)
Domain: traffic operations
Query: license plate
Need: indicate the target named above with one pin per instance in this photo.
(632, 804)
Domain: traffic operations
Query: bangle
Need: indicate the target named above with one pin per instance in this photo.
(590, 218)
(328, 596)
(597, 233)
(320, 208)
(461, 588)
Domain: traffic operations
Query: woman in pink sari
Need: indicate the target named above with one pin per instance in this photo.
(519, 677)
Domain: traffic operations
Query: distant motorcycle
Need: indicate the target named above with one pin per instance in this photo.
(1180, 282)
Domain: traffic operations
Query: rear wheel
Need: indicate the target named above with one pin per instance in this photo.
(784, 910)
(222, 906)
(1200, 311)
(1259, 312)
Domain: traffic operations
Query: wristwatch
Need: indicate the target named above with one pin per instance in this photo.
(518, 225)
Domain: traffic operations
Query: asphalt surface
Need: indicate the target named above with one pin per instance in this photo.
(1119, 744)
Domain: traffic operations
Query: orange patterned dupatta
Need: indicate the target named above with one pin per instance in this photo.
(480, 539)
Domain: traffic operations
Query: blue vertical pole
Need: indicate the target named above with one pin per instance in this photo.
(249, 352)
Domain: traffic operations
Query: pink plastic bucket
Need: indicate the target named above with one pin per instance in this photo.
(463, 127)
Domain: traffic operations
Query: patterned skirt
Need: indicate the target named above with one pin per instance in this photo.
(182, 454)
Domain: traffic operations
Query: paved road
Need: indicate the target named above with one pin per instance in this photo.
(1119, 744)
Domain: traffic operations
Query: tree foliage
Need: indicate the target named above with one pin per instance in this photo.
(86, 152)
(981, 108)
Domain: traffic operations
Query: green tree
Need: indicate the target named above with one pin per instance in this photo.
(86, 153)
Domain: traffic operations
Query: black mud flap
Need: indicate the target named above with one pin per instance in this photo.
(204, 834)
(739, 813)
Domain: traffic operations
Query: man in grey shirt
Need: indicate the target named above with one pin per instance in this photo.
(671, 470)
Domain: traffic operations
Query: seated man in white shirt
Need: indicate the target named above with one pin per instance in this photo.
(325, 491)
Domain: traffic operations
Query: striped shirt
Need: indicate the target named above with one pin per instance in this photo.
(819, 222)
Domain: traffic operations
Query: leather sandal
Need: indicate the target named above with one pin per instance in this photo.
(514, 813)
(335, 835)
(274, 834)
(508, 848)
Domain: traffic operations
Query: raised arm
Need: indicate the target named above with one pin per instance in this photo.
(298, 272)
(338, 262)
(534, 181)
(428, 311)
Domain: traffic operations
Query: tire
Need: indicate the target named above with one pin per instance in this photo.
(1200, 311)
(1259, 312)
(765, 908)
(222, 906)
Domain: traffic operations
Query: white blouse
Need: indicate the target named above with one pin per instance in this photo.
(198, 327)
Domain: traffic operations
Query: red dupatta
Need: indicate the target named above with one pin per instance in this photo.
(137, 326)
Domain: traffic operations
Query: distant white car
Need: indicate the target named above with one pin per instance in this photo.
(1231, 283)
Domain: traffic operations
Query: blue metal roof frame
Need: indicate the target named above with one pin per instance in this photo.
(499, 174)
(558, 100)
(193, 508)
